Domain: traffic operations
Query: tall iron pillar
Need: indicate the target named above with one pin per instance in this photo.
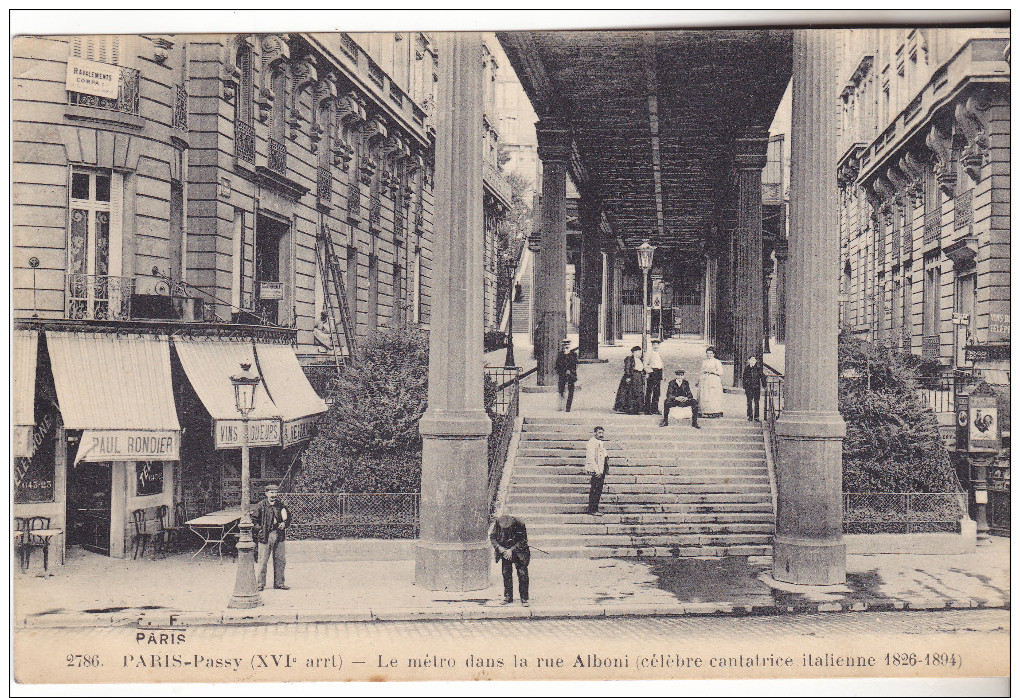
(809, 547)
(748, 297)
(551, 281)
(591, 280)
(453, 551)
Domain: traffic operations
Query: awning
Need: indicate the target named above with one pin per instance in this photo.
(290, 391)
(118, 390)
(24, 347)
(209, 364)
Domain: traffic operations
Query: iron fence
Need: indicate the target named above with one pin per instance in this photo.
(127, 95)
(332, 515)
(939, 392)
(99, 297)
(903, 512)
(507, 382)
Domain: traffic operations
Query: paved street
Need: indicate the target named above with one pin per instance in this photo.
(918, 643)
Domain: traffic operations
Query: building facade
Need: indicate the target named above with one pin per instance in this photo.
(183, 205)
(924, 192)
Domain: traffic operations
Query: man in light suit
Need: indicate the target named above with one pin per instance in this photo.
(597, 464)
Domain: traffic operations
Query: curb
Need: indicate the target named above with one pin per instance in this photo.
(161, 619)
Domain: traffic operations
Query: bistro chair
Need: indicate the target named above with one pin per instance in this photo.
(31, 542)
(142, 536)
(161, 536)
(174, 531)
(19, 539)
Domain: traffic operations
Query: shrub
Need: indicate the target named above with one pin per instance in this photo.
(892, 442)
(494, 339)
(368, 441)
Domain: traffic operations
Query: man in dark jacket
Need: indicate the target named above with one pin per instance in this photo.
(509, 539)
(678, 394)
(566, 372)
(271, 519)
(753, 380)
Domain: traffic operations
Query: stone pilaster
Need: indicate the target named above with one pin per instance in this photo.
(591, 280)
(551, 263)
(610, 308)
(724, 295)
(808, 547)
(618, 296)
(748, 297)
(453, 552)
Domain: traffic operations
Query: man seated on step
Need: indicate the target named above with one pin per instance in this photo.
(596, 463)
(678, 394)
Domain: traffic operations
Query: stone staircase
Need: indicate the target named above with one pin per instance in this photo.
(673, 491)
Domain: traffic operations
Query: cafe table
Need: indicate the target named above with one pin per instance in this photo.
(216, 529)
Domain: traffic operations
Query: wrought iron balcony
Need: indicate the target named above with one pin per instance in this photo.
(96, 297)
(963, 210)
(374, 213)
(932, 226)
(277, 157)
(324, 184)
(930, 347)
(244, 141)
(354, 198)
(127, 95)
(181, 109)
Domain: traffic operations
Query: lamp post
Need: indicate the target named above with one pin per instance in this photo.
(246, 594)
(644, 260)
(511, 293)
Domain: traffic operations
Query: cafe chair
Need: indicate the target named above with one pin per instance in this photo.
(33, 542)
(19, 539)
(174, 531)
(142, 536)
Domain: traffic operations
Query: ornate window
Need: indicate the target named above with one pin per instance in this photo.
(95, 288)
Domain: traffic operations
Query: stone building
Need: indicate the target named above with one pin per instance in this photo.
(185, 204)
(924, 192)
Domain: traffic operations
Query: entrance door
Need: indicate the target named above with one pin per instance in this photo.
(89, 486)
(966, 291)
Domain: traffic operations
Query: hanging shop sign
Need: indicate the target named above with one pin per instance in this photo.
(92, 78)
(33, 476)
(98, 446)
(983, 419)
(298, 430)
(261, 432)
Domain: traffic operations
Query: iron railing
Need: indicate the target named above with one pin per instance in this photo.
(503, 408)
(932, 226)
(903, 512)
(244, 141)
(939, 392)
(96, 297)
(127, 95)
(963, 209)
(332, 515)
(324, 184)
(930, 347)
(277, 157)
(773, 407)
(180, 118)
(354, 198)
(374, 212)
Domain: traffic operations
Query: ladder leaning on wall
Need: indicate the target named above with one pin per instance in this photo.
(341, 324)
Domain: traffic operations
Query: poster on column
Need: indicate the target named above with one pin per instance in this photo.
(447, 520)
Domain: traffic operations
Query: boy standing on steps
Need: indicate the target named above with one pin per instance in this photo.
(597, 463)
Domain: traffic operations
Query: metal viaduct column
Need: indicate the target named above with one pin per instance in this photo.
(551, 263)
(591, 279)
(748, 297)
(809, 546)
(453, 549)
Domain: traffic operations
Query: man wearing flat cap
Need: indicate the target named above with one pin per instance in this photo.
(566, 372)
(271, 518)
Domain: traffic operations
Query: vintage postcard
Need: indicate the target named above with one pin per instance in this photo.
(352, 352)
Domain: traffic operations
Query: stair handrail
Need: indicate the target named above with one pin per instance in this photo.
(773, 407)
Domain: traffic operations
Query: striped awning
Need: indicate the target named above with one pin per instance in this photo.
(209, 364)
(290, 391)
(116, 389)
(24, 348)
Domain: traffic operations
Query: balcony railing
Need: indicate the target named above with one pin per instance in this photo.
(244, 141)
(930, 347)
(324, 184)
(374, 213)
(181, 109)
(277, 157)
(932, 227)
(964, 209)
(354, 198)
(127, 95)
(95, 297)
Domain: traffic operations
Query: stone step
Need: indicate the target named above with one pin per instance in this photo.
(651, 457)
(654, 540)
(678, 431)
(724, 518)
(697, 504)
(633, 483)
(642, 462)
(582, 551)
(672, 528)
(642, 473)
(625, 493)
(581, 486)
(623, 420)
(648, 444)
(711, 496)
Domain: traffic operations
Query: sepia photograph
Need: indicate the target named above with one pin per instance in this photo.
(544, 346)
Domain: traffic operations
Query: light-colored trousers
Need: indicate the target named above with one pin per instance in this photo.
(278, 550)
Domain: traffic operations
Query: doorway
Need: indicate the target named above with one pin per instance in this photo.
(270, 236)
(89, 488)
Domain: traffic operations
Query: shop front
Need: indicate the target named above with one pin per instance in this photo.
(119, 441)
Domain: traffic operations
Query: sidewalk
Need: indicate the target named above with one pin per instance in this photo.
(329, 585)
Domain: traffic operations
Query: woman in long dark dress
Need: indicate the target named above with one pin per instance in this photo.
(630, 395)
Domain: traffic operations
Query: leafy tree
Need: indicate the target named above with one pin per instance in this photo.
(892, 442)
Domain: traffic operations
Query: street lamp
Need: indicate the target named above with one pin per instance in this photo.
(511, 269)
(644, 260)
(246, 594)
